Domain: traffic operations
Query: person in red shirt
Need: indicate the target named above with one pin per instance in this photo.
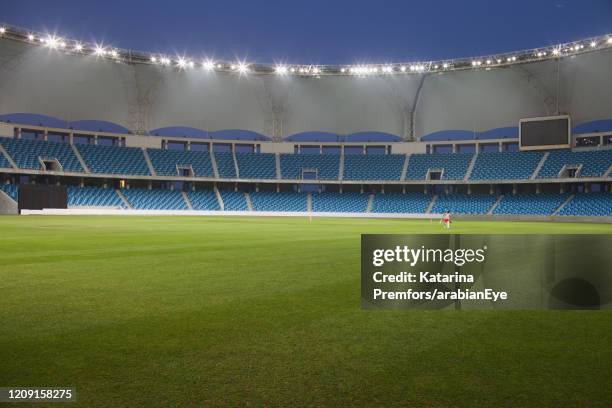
(446, 220)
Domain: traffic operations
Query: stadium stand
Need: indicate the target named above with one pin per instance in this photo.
(234, 201)
(166, 162)
(592, 163)
(464, 203)
(589, 204)
(410, 203)
(339, 202)
(114, 160)
(225, 165)
(94, 197)
(326, 165)
(4, 163)
(11, 190)
(373, 167)
(142, 199)
(285, 201)
(506, 165)
(453, 165)
(256, 165)
(27, 154)
(530, 204)
(205, 200)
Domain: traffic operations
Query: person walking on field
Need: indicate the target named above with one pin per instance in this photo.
(446, 220)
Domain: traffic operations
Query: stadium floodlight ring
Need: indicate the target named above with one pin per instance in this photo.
(359, 70)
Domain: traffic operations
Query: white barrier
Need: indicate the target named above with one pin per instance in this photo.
(110, 211)
(192, 213)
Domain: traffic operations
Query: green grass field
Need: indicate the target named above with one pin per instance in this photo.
(178, 311)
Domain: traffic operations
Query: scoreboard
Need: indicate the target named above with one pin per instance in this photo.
(552, 132)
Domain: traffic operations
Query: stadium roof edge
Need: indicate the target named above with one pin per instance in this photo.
(75, 47)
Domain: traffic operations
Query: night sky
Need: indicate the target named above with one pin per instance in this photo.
(317, 31)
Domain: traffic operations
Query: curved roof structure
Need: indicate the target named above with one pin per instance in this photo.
(142, 97)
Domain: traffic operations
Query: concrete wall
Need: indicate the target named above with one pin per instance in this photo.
(7, 204)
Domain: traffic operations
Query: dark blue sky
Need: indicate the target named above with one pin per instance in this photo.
(317, 31)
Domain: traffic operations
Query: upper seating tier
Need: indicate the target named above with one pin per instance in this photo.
(114, 160)
(167, 162)
(373, 166)
(453, 166)
(325, 165)
(27, 154)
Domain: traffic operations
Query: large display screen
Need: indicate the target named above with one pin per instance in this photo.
(545, 133)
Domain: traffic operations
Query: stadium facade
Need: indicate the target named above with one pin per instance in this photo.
(128, 136)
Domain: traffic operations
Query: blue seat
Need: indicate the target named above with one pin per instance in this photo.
(204, 200)
(589, 204)
(453, 165)
(225, 165)
(464, 203)
(114, 160)
(27, 154)
(530, 204)
(284, 201)
(142, 199)
(94, 197)
(505, 165)
(339, 202)
(594, 163)
(234, 201)
(11, 190)
(373, 166)
(165, 162)
(256, 165)
(326, 165)
(409, 203)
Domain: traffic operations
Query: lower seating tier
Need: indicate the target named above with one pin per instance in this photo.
(589, 204)
(410, 203)
(284, 202)
(142, 199)
(339, 202)
(11, 190)
(94, 197)
(530, 204)
(464, 203)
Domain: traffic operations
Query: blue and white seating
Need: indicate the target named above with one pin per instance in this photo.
(166, 162)
(27, 154)
(225, 165)
(234, 201)
(373, 166)
(592, 163)
(143, 199)
(205, 200)
(284, 201)
(11, 190)
(506, 165)
(589, 204)
(339, 202)
(463, 203)
(326, 165)
(453, 166)
(409, 203)
(530, 204)
(256, 165)
(94, 197)
(4, 163)
(114, 160)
